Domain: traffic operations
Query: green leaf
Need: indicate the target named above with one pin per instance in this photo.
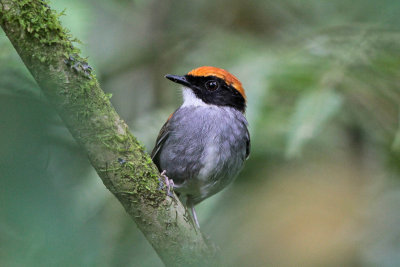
(312, 112)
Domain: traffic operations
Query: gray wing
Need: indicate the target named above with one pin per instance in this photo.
(162, 136)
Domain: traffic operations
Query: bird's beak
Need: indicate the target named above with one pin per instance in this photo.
(178, 79)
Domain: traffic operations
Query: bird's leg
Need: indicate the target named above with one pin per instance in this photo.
(190, 205)
(195, 216)
(169, 183)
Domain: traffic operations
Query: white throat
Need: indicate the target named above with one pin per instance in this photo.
(190, 99)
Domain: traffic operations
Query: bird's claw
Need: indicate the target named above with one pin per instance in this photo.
(168, 183)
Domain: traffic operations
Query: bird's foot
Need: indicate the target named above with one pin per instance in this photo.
(167, 183)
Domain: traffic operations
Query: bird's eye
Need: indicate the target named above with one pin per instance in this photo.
(212, 85)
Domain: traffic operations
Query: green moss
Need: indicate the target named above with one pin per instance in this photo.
(39, 22)
(49, 45)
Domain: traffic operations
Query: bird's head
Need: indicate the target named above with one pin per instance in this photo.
(211, 86)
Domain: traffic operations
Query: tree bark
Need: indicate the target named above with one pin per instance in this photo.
(126, 170)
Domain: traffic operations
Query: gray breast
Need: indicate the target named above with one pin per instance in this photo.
(205, 149)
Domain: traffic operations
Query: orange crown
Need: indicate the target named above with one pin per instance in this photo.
(222, 74)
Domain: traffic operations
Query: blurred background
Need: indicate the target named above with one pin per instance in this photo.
(321, 187)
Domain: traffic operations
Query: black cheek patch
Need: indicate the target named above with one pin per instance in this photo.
(225, 95)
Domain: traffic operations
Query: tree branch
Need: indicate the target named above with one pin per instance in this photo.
(126, 170)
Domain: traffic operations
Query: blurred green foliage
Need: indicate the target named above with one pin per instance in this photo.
(321, 186)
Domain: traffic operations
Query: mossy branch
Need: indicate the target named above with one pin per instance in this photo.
(127, 171)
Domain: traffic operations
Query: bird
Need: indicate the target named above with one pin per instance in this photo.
(203, 145)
